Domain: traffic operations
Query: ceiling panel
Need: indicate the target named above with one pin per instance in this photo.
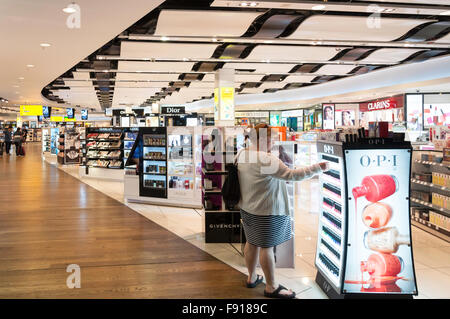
(292, 53)
(163, 50)
(81, 75)
(332, 69)
(272, 85)
(299, 78)
(201, 84)
(204, 23)
(351, 28)
(444, 39)
(155, 66)
(146, 77)
(389, 55)
(261, 67)
(248, 77)
(252, 90)
(141, 84)
(78, 83)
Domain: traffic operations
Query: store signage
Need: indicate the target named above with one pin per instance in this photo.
(172, 110)
(30, 110)
(379, 253)
(223, 227)
(383, 104)
(252, 114)
(227, 103)
(292, 113)
(57, 119)
(329, 149)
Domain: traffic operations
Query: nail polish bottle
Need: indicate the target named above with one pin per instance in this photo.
(376, 215)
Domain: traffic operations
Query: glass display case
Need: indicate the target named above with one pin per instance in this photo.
(153, 163)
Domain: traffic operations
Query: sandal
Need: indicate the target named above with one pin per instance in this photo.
(276, 293)
(258, 280)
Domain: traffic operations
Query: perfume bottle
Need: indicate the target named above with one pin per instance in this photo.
(376, 187)
(385, 240)
(380, 265)
(376, 215)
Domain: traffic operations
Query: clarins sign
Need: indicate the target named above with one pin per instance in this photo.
(383, 104)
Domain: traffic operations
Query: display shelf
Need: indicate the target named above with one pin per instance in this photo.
(206, 172)
(442, 188)
(445, 212)
(214, 191)
(154, 173)
(444, 164)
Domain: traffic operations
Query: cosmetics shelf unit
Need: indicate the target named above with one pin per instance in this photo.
(73, 138)
(60, 146)
(222, 223)
(364, 235)
(46, 140)
(169, 167)
(103, 147)
(430, 193)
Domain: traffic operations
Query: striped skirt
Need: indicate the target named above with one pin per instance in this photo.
(266, 231)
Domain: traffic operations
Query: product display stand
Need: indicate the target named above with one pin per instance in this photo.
(430, 193)
(222, 224)
(169, 168)
(103, 153)
(60, 141)
(364, 240)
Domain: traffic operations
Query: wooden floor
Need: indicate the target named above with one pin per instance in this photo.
(49, 219)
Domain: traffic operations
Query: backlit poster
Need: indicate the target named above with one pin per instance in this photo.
(84, 115)
(345, 118)
(379, 258)
(328, 116)
(46, 111)
(227, 103)
(70, 112)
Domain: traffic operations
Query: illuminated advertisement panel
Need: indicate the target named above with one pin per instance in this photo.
(379, 252)
(328, 116)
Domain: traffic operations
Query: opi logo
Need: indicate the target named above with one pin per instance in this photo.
(74, 279)
(328, 149)
(378, 161)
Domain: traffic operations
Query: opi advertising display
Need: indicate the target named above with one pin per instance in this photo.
(364, 239)
(379, 253)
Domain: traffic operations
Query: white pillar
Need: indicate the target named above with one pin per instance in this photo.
(224, 97)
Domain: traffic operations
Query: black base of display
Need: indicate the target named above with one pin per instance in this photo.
(332, 294)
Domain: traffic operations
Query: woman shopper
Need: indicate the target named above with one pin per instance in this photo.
(265, 207)
(17, 139)
(8, 137)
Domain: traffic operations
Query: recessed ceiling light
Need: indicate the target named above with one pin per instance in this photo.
(318, 7)
(164, 38)
(214, 40)
(268, 41)
(30, 66)
(253, 4)
(21, 78)
(445, 13)
(45, 45)
(244, 4)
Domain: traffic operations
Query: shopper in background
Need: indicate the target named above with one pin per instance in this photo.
(2, 142)
(265, 207)
(24, 134)
(17, 139)
(8, 137)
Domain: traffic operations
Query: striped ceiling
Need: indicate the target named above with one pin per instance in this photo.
(170, 56)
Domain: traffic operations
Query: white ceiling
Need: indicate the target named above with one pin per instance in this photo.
(343, 28)
(166, 50)
(25, 24)
(196, 22)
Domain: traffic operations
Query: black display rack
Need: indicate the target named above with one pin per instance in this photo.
(104, 147)
(153, 162)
